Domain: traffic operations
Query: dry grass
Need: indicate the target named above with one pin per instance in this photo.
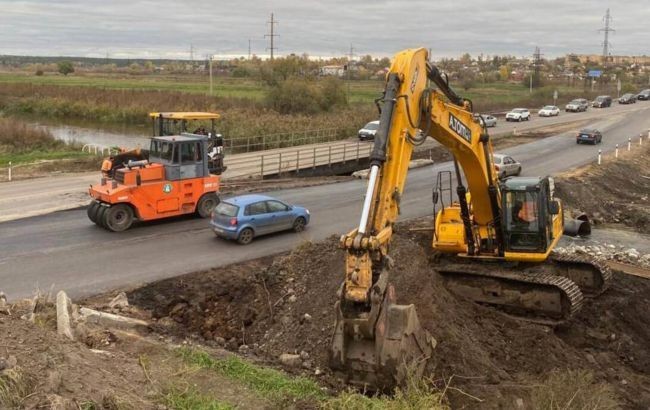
(15, 387)
(240, 117)
(573, 390)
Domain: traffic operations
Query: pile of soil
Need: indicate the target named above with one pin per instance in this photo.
(285, 305)
(616, 192)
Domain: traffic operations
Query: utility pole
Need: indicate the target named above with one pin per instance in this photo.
(537, 63)
(249, 48)
(607, 29)
(272, 35)
(192, 52)
(210, 65)
(350, 56)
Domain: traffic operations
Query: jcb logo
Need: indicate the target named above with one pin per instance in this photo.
(460, 128)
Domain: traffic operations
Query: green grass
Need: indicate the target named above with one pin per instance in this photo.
(192, 399)
(15, 386)
(267, 382)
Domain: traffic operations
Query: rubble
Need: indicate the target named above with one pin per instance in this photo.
(119, 301)
(4, 307)
(63, 312)
(608, 252)
(290, 360)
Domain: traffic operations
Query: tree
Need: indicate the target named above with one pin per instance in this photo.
(66, 67)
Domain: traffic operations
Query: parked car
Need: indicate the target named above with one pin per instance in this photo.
(245, 217)
(549, 111)
(506, 166)
(488, 120)
(628, 98)
(588, 135)
(602, 101)
(644, 95)
(368, 131)
(577, 105)
(518, 114)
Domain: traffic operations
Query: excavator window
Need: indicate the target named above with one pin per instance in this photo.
(522, 216)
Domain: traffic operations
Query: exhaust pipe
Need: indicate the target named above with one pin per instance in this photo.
(578, 227)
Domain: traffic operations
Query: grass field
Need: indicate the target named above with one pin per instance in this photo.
(244, 88)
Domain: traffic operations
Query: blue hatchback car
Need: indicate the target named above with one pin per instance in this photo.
(244, 217)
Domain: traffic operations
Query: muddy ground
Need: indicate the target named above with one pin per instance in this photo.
(617, 192)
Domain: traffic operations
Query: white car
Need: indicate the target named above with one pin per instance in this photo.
(368, 131)
(549, 111)
(506, 166)
(518, 114)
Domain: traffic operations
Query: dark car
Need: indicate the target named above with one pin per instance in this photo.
(589, 136)
(247, 216)
(603, 101)
(628, 98)
(644, 95)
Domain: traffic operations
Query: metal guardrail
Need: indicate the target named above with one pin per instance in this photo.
(98, 149)
(285, 140)
(295, 161)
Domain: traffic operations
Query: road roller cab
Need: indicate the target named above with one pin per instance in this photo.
(181, 176)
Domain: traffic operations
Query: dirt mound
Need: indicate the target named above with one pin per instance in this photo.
(616, 192)
(285, 305)
(52, 371)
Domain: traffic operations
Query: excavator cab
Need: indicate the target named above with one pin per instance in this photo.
(529, 212)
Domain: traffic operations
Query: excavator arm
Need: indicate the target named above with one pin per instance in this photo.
(376, 342)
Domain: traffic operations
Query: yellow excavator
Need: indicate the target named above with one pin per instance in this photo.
(495, 240)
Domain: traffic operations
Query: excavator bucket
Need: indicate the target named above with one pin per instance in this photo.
(383, 356)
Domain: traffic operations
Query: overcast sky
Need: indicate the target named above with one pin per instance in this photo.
(166, 28)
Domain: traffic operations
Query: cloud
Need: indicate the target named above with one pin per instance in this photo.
(166, 28)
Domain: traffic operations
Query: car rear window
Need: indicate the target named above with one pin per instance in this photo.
(372, 126)
(497, 160)
(226, 209)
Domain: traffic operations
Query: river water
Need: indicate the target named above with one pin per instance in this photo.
(95, 133)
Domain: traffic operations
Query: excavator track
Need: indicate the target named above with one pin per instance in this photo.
(592, 275)
(530, 294)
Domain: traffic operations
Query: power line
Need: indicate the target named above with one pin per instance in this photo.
(607, 29)
(271, 35)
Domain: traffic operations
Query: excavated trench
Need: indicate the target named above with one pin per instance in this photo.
(284, 304)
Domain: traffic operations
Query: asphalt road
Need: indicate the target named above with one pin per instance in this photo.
(68, 251)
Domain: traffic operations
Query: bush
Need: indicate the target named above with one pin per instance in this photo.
(39, 73)
(66, 67)
(299, 96)
(294, 96)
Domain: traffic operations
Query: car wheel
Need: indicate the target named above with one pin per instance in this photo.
(118, 218)
(91, 211)
(299, 224)
(518, 172)
(245, 236)
(206, 205)
(99, 216)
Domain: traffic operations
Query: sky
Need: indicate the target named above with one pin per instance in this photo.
(167, 28)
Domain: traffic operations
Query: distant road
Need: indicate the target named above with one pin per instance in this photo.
(20, 199)
(69, 251)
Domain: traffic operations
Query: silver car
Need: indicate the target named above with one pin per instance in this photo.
(488, 120)
(506, 166)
